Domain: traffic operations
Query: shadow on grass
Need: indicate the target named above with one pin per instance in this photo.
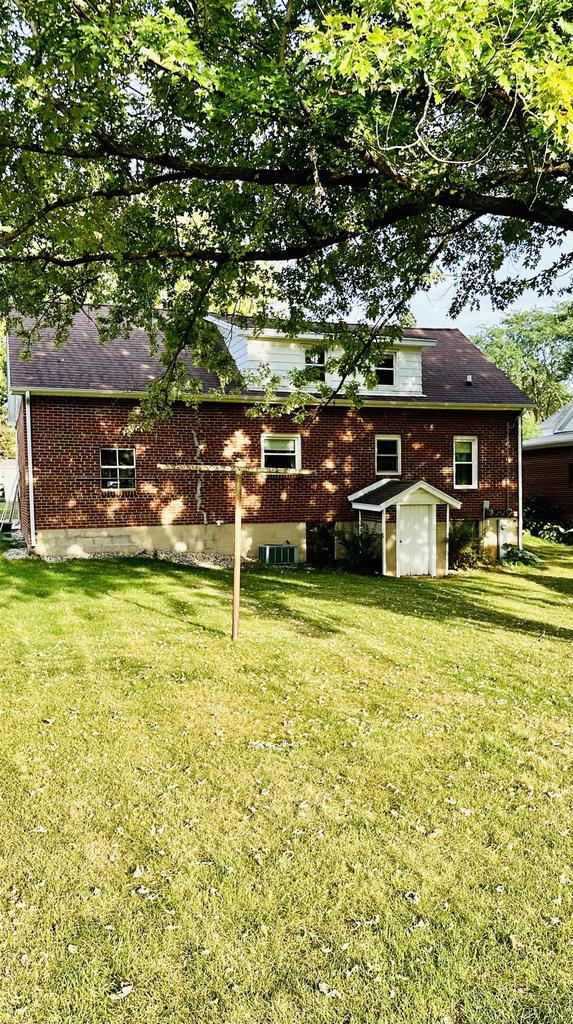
(480, 598)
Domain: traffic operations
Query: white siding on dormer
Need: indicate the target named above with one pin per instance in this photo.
(235, 340)
(14, 402)
(282, 356)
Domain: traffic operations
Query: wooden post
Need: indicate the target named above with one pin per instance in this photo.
(237, 553)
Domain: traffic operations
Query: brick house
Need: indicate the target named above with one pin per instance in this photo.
(548, 461)
(438, 437)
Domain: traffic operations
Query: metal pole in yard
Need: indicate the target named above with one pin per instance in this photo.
(237, 553)
(238, 469)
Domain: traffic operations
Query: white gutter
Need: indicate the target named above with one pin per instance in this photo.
(519, 485)
(30, 464)
(374, 402)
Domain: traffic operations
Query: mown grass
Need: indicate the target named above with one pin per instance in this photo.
(359, 813)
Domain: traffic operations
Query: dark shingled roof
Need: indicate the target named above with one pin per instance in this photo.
(125, 366)
(385, 492)
(388, 490)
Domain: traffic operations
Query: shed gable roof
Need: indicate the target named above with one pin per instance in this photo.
(389, 492)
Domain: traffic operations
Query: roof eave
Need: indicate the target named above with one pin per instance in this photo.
(402, 402)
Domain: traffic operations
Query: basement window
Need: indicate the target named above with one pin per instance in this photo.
(117, 467)
(465, 462)
(388, 455)
(280, 451)
(386, 371)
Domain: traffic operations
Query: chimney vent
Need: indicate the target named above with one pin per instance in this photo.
(469, 380)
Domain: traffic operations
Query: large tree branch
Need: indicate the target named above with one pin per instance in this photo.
(460, 200)
(272, 254)
(194, 170)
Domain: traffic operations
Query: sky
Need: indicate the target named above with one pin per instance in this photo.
(431, 308)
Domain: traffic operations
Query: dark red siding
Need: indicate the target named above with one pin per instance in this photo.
(549, 472)
(338, 447)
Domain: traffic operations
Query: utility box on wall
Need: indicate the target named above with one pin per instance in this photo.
(496, 535)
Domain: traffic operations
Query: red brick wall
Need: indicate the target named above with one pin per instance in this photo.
(339, 447)
(23, 472)
(548, 471)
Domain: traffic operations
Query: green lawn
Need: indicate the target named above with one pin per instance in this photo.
(362, 812)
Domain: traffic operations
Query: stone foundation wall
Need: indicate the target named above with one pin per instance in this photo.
(184, 539)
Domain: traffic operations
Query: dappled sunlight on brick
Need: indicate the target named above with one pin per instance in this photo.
(113, 507)
(251, 502)
(238, 444)
(172, 511)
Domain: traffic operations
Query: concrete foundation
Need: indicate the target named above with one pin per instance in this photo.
(193, 539)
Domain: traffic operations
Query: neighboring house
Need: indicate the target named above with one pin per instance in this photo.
(438, 436)
(8, 477)
(548, 461)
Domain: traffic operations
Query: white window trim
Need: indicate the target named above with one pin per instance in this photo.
(289, 437)
(320, 378)
(391, 355)
(118, 448)
(474, 463)
(388, 472)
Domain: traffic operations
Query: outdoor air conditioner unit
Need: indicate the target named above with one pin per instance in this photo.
(278, 554)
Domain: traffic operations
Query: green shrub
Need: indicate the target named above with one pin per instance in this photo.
(464, 549)
(544, 519)
(361, 551)
(516, 556)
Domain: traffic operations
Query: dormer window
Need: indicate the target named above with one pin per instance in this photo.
(386, 371)
(315, 362)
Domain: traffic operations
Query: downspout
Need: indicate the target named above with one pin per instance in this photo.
(30, 466)
(519, 485)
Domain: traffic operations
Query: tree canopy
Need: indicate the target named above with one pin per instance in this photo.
(279, 155)
(535, 349)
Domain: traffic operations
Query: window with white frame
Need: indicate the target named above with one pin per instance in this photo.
(388, 455)
(117, 469)
(315, 360)
(280, 451)
(386, 371)
(465, 462)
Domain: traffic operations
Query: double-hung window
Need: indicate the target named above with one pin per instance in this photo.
(315, 362)
(388, 455)
(280, 451)
(386, 371)
(465, 462)
(117, 469)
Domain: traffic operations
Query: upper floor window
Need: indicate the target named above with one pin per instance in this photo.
(388, 455)
(280, 451)
(117, 467)
(315, 361)
(465, 462)
(386, 371)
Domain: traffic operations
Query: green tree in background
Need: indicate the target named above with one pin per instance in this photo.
(171, 158)
(7, 446)
(535, 349)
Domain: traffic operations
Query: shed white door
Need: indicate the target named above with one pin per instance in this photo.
(414, 541)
